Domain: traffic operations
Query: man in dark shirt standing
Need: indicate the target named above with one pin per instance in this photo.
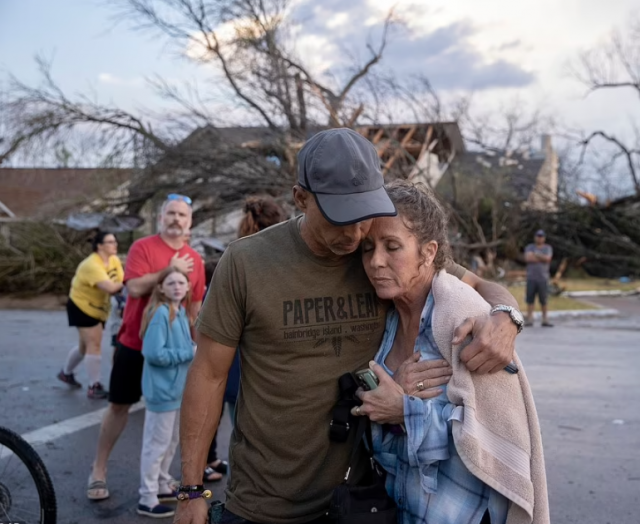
(538, 257)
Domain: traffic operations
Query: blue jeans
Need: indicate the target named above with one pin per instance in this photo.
(232, 412)
(231, 518)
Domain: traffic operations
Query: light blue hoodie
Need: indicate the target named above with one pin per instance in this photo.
(167, 349)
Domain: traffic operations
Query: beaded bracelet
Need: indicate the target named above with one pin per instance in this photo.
(193, 492)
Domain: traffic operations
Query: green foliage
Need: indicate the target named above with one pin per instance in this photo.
(36, 257)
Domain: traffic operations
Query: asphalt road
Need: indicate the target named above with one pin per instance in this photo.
(584, 374)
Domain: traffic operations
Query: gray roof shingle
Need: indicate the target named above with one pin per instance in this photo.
(518, 171)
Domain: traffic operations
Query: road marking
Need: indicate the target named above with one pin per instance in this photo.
(65, 427)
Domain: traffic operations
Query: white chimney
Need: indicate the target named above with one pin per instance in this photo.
(545, 145)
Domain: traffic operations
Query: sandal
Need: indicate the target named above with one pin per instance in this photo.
(221, 467)
(97, 490)
(211, 475)
(172, 495)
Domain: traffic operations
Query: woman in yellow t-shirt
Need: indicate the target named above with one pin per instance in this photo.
(98, 276)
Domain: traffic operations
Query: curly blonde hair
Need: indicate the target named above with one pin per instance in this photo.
(423, 215)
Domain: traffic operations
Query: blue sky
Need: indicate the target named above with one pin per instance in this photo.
(88, 50)
(498, 48)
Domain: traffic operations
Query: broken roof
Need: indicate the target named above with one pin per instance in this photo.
(447, 132)
(400, 146)
(42, 192)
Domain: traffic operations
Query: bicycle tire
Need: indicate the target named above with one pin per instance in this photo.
(30, 458)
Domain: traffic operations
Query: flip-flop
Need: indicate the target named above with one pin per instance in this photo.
(174, 484)
(222, 467)
(168, 497)
(97, 490)
(208, 471)
(172, 496)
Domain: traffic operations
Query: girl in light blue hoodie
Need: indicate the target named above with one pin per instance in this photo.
(168, 349)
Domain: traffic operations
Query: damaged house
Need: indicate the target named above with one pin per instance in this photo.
(524, 178)
(221, 165)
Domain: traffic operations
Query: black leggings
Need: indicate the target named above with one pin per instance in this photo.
(212, 456)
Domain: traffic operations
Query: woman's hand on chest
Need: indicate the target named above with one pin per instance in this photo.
(422, 378)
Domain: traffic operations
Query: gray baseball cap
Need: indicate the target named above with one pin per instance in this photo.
(342, 170)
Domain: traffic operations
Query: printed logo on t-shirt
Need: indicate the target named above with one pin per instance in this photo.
(329, 320)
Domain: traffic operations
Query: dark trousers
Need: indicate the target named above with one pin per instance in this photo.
(212, 456)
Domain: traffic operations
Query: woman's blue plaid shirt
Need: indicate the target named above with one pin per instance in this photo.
(425, 475)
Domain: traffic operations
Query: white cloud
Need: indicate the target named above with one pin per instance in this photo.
(226, 34)
(550, 32)
(536, 37)
(338, 20)
(372, 20)
(108, 78)
(541, 37)
(318, 52)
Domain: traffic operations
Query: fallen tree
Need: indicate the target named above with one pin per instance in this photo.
(37, 257)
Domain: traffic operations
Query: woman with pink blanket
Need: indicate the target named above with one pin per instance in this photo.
(473, 453)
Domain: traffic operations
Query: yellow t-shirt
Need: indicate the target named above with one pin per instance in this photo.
(84, 293)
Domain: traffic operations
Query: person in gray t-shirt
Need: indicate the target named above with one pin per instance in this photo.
(538, 257)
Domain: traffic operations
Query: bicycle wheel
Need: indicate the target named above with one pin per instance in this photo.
(26, 490)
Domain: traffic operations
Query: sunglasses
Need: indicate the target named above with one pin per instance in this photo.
(181, 198)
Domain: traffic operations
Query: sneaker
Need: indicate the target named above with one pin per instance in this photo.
(68, 379)
(97, 392)
(156, 512)
(168, 497)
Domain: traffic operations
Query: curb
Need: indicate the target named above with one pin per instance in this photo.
(579, 313)
(610, 293)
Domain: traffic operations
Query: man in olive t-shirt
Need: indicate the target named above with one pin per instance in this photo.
(296, 300)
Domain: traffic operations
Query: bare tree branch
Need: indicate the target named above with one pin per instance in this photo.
(613, 65)
(623, 151)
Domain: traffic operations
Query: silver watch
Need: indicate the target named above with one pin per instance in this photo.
(514, 314)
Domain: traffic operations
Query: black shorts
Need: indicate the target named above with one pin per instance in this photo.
(125, 384)
(78, 318)
(537, 287)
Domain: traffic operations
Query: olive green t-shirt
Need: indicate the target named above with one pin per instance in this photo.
(300, 322)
